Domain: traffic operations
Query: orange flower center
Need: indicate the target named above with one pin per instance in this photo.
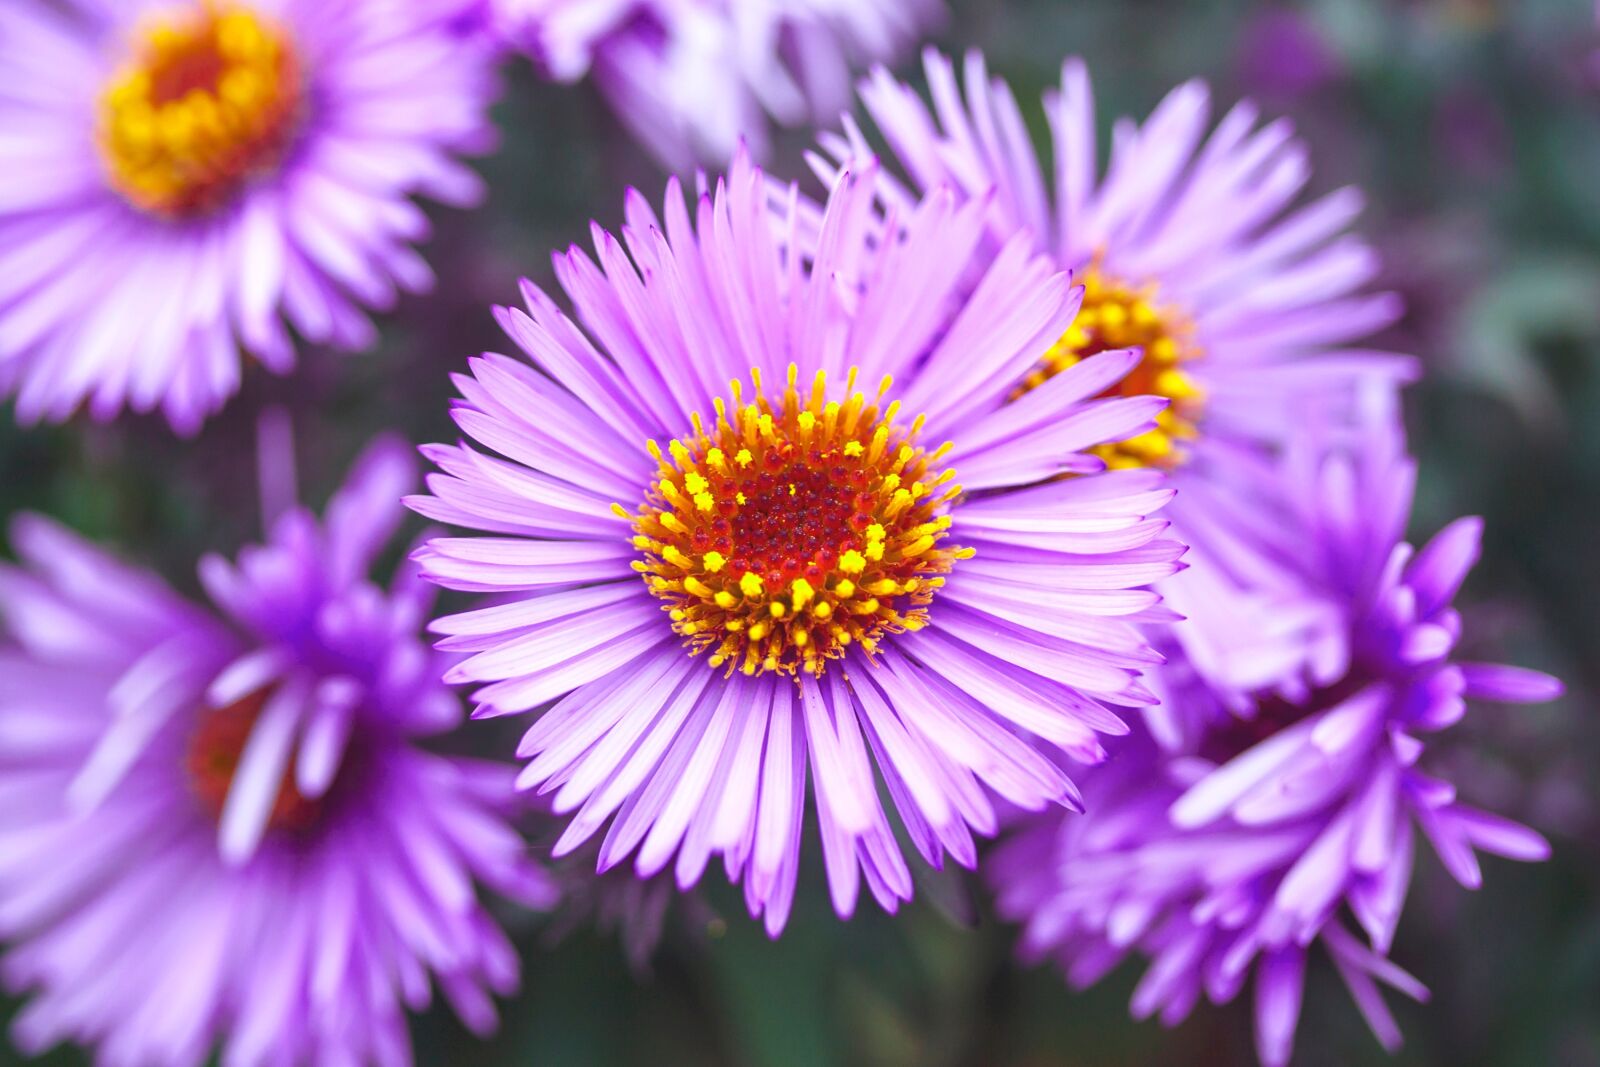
(209, 99)
(795, 528)
(213, 759)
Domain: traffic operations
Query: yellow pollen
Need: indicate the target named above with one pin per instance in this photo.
(825, 530)
(209, 98)
(1116, 315)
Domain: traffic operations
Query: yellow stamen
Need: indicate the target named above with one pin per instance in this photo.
(1115, 315)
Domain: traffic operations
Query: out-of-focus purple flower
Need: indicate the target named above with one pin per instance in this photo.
(217, 829)
(179, 178)
(1249, 844)
(737, 558)
(1282, 54)
(692, 78)
(1249, 312)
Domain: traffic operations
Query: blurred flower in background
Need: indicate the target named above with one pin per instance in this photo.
(694, 78)
(1249, 313)
(177, 178)
(1241, 845)
(218, 829)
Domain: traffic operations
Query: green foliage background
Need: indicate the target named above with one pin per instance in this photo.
(1474, 126)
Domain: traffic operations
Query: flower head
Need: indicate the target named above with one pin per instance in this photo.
(1248, 310)
(764, 511)
(219, 828)
(1248, 845)
(182, 180)
(693, 79)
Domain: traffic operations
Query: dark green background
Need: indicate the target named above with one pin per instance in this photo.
(1475, 129)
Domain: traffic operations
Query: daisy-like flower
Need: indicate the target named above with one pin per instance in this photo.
(1247, 307)
(737, 552)
(693, 78)
(217, 832)
(1248, 847)
(184, 180)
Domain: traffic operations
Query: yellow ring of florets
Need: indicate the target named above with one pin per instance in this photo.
(791, 530)
(1115, 316)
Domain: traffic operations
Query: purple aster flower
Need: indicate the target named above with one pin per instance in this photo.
(693, 78)
(1255, 840)
(737, 552)
(181, 181)
(1248, 308)
(217, 829)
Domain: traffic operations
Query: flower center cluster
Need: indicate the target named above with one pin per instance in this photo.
(213, 758)
(1235, 734)
(1116, 316)
(210, 98)
(795, 528)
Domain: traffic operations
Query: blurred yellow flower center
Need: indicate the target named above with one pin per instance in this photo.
(209, 98)
(1115, 316)
(795, 527)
